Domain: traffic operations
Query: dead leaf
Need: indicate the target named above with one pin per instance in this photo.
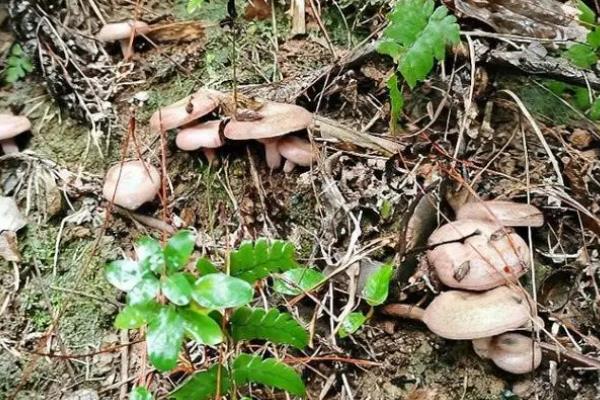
(257, 10)
(186, 31)
(11, 218)
(9, 249)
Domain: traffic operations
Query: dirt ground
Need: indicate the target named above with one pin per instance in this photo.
(57, 183)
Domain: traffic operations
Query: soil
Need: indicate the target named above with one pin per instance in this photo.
(66, 242)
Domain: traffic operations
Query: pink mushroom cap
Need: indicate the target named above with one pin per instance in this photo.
(121, 30)
(11, 126)
(297, 150)
(132, 183)
(204, 135)
(201, 103)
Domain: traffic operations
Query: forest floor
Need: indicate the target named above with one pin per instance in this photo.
(354, 204)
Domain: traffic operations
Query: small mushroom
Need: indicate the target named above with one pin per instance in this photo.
(11, 126)
(122, 32)
(507, 213)
(513, 352)
(296, 151)
(461, 315)
(138, 183)
(201, 103)
(275, 120)
(477, 255)
(203, 136)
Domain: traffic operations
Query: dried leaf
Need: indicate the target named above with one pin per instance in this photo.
(8, 246)
(11, 218)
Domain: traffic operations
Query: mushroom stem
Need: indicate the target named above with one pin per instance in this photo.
(210, 154)
(289, 166)
(272, 153)
(404, 311)
(126, 49)
(9, 146)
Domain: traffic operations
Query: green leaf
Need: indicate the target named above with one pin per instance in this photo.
(376, 288)
(556, 87)
(593, 38)
(140, 393)
(581, 55)
(280, 328)
(201, 328)
(177, 289)
(150, 254)
(417, 35)
(123, 274)
(298, 280)
(351, 324)
(254, 261)
(586, 15)
(595, 110)
(18, 65)
(396, 101)
(205, 267)
(146, 290)
(164, 338)
(216, 291)
(194, 5)
(134, 316)
(269, 372)
(178, 250)
(582, 98)
(203, 385)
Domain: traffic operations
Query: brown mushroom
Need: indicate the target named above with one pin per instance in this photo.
(275, 120)
(203, 136)
(131, 184)
(477, 255)
(122, 32)
(296, 151)
(513, 352)
(463, 315)
(201, 103)
(507, 213)
(11, 126)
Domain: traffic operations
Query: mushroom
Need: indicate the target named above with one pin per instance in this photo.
(131, 183)
(203, 136)
(507, 213)
(513, 352)
(276, 119)
(11, 126)
(122, 32)
(203, 102)
(296, 151)
(477, 255)
(461, 315)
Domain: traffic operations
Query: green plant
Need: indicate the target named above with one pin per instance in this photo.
(417, 35)
(584, 55)
(18, 65)
(375, 293)
(209, 307)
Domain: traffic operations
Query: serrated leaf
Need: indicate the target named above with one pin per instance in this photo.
(140, 393)
(581, 55)
(177, 289)
(178, 250)
(269, 372)
(396, 102)
(256, 260)
(280, 328)
(351, 324)
(18, 65)
(586, 15)
(135, 316)
(298, 280)
(377, 286)
(217, 291)
(421, 34)
(205, 266)
(146, 290)
(150, 254)
(203, 385)
(123, 274)
(201, 328)
(164, 338)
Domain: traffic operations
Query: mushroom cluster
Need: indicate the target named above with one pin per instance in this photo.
(270, 123)
(481, 258)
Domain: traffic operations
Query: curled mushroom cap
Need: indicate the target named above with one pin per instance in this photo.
(467, 315)
(122, 32)
(507, 213)
(277, 119)
(138, 183)
(512, 352)
(203, 102)
(490, 256)
(11, 126)
(203, 136)
(296, 150)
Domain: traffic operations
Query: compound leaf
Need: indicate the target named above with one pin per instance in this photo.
(269, 372)
(256, 260)
(203, 385)
(278, 327)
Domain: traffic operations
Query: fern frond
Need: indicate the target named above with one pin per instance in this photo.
(269, 372)
(281, 328)
(257, 260)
